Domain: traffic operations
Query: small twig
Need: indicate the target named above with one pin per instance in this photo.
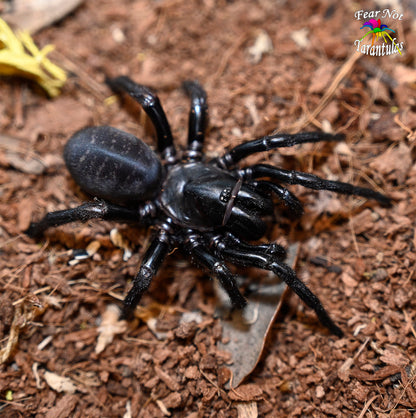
(227, 56)
(367, 405)
(409, 323)
(343, 71)
(219, 390)
(412, 134)
(354, 239)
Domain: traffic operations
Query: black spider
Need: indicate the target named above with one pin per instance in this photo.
(206, 208)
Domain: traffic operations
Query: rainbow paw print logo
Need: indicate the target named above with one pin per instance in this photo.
(378, 31)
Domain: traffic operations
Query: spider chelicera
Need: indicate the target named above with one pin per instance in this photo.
(210, 209)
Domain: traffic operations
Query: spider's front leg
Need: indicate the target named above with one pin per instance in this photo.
(252, 257)
(152, 261)
(271, 142)
(195, 246)
(311, 181)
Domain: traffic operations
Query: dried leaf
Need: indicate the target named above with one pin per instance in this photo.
(250, 327)
(322, 77)
(60, 383)
(300, 37)
(246, 393)
(32, 15)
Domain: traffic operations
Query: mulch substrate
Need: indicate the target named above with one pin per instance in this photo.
(266, 66)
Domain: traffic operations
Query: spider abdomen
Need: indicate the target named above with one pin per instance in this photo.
(113, 165)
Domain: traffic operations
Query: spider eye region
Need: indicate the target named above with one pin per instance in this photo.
(225, 195)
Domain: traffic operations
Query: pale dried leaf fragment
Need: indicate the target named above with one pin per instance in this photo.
(93, 247)
(25, 165)
(128, 413)
(60, 383)
(247, 409)
(246, 393)
(111, 325)
(300, 37)
(262, 45)
(118, 240)
(33, 15)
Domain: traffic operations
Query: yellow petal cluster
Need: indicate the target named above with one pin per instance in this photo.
(20, 56)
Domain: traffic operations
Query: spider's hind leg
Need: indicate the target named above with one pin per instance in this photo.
(151, 105)
(198, 118)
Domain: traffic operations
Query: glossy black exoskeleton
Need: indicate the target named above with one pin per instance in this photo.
(206, 208)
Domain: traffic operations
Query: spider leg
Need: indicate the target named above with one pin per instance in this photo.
(201, 255)
(290, 200)
(152, 261)
(313, 182)
(198, 118)
(91, 210)
(151, 105)
(272, 249)
(270, 142)
(245, 257)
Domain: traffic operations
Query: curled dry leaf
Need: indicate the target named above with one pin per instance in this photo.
(249, 328)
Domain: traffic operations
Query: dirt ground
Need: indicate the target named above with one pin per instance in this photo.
(266, 65)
